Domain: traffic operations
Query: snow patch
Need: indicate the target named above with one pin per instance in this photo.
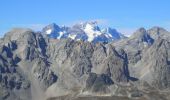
(91, 32)
(61, 34)
(108, 35)
(72, 36)
(48, 31)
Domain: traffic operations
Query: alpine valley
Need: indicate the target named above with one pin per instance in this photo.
(84, 62)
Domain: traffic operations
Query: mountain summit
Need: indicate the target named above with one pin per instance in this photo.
(85, 31)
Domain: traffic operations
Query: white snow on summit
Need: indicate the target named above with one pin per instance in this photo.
(48, 31)
(91, 32)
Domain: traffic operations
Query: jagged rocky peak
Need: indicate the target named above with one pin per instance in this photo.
(51, 28)
(15, 33)
(139, 33)
(157, 32)
(142, 35)
(152, 34)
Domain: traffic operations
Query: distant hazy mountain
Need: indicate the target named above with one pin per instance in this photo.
(87, 31)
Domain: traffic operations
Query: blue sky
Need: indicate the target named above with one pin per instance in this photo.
(124, 15)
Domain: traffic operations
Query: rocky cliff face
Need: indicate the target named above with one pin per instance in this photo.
(35, 67)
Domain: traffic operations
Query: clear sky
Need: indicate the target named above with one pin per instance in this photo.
(124, 15)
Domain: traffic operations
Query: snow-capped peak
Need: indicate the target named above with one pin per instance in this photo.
(86, 31)
(91, 31)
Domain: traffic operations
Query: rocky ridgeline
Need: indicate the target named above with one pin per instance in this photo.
(36, 67)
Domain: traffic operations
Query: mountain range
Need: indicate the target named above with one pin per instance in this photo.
(84, 31)
(84, 62)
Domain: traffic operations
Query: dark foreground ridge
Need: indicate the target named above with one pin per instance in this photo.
(36, 67)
